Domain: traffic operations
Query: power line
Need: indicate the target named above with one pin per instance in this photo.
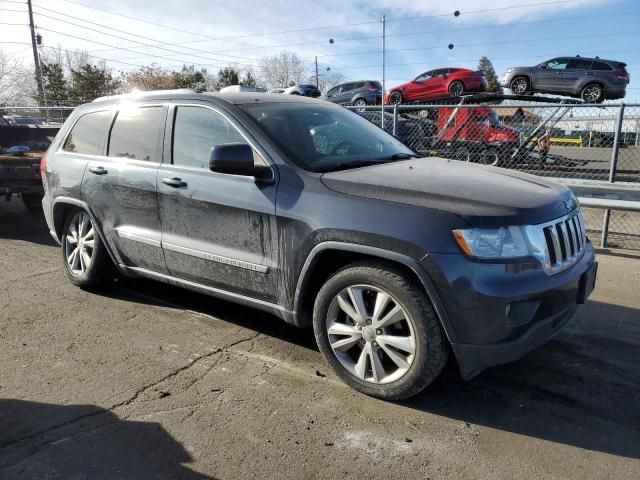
(139, 44)
(158, 45)
(123, 48)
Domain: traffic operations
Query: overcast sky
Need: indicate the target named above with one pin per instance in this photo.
(214, 33)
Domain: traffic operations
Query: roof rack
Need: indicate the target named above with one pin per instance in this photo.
(142, 94)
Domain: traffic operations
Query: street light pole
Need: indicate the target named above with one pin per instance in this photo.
(317, 80)
(383, 69)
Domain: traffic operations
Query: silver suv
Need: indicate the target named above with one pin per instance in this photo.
(591, 79)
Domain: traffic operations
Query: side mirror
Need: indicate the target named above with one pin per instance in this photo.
(233, 158)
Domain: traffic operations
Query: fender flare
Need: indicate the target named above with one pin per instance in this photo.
(413, 265)
(84, 206)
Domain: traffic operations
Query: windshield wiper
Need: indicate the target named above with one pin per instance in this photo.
(399, 156)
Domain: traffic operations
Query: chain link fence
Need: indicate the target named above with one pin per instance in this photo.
(569, 142)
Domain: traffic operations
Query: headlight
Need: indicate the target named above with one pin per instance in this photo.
(509, 70)
(503, 242)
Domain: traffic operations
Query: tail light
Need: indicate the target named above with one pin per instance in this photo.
(624, 77)
(43, 167)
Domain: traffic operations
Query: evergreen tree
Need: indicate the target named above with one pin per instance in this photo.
(485, 66)
(55, 85)
(189, 77)
(249, 80)
(91, 82)
(226, 77)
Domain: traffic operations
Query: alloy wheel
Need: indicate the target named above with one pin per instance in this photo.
(360, 105)
(519, 86)
(456, 89)
(592, 94)
(79, 244)
(371, 334)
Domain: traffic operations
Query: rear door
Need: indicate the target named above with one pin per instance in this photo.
(577, 74)
(120, 187)
(217, 228)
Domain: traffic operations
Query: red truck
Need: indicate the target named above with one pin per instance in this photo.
(474, 134)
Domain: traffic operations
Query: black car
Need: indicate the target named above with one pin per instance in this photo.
(310, 212)
(591, 79)
(360, 93)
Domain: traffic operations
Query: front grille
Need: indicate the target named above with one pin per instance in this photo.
(565, 240)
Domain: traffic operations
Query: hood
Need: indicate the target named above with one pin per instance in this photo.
(482, 195)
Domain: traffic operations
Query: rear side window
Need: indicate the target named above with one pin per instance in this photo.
(601, 66)
(88, 133)
(347, 87)
(579, 64)
(136, 132)
(373, 85)
(196, 131)
(359, 85)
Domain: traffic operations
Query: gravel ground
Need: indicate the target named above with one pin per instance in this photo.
(148, 381)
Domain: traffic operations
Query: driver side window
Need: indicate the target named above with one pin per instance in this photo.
(333, 92)
(423, 77)
(557, 63)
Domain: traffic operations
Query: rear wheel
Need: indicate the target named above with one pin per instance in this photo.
(592, 93)
(520, 86)
(360, 104)
(86, 261)
(395, 98)
(378, 331)
(32, 202)
(456, 89)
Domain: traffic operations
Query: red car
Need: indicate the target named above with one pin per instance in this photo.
(438, 83)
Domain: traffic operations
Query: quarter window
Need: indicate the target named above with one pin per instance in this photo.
(196, 131)
(135, 134)
(601, 66)
(88, 133)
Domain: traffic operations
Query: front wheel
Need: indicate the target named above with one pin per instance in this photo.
(378, 331)
(360, 104)
(85, 259)
(519, 86)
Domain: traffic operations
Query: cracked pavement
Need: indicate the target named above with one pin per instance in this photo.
(145, 380)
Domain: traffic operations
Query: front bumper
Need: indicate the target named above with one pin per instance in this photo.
(500, 312)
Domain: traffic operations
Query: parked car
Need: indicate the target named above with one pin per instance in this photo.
(303, 90)
(20, 175)
(415, 132)
(438, 83)
(360, 93)
(242, 88)
(277, 90)
(591, 79)
(308, 211)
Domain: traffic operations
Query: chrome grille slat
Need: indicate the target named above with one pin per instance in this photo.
(564, 241)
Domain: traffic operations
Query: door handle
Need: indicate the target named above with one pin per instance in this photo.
(174, 182)
(99, 170)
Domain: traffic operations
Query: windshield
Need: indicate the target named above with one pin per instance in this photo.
(320, 138)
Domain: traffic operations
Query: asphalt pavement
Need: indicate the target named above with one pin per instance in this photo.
(143, 380)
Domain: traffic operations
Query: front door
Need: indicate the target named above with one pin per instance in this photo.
(216, 228)
(551, 78)
(121, 187)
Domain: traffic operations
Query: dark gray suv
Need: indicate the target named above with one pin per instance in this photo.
(308, 211)
(360, 93)
(591, 79)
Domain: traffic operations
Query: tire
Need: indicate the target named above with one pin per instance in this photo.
(32, 202)
(364, 359)
(488, 157)
(360, 104)
(592, 93)
(520, 86)
(100, 268)
(395, 98)
(294, 93)
(456, 89)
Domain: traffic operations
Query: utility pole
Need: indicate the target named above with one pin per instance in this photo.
(317, 81)
(383, 72)
(36, 59)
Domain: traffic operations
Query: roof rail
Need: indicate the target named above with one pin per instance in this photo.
(142, 94)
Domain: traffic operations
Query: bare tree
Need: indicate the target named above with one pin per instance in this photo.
(16, 81)
(327, 80)
(282, 70)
